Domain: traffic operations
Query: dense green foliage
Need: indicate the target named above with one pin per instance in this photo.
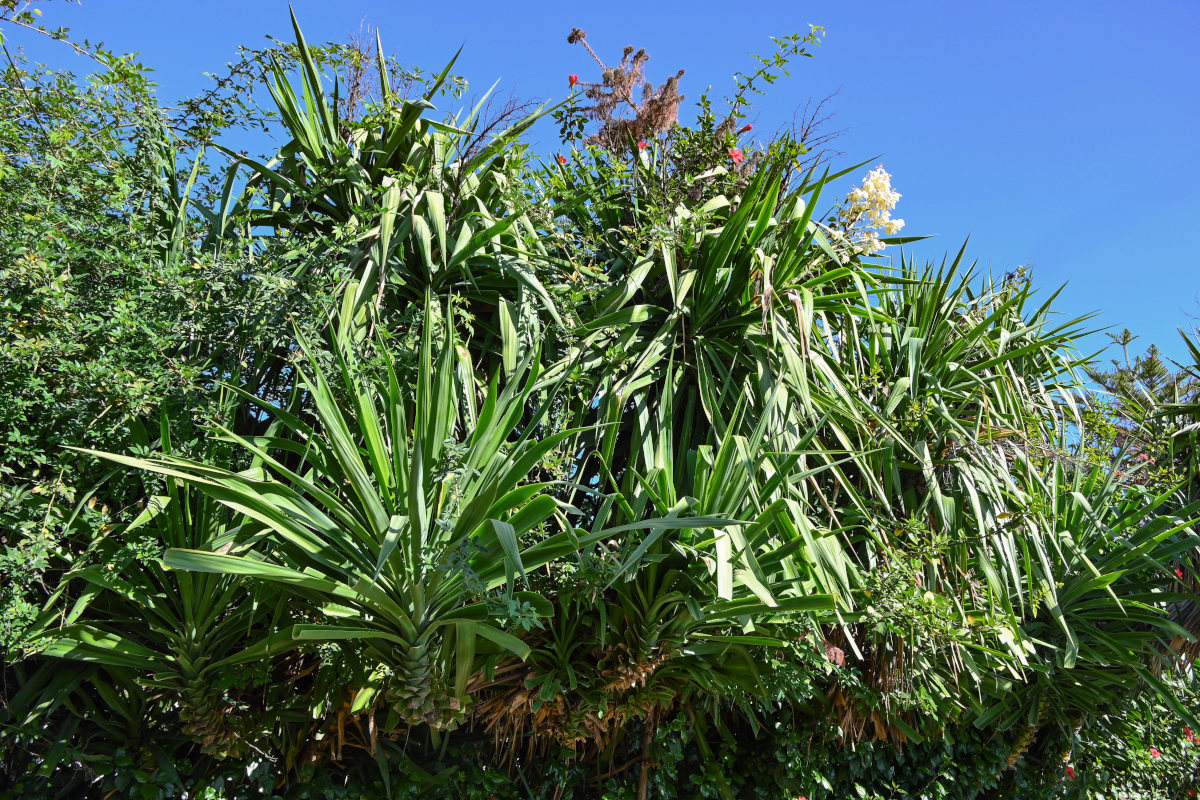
(399, 463)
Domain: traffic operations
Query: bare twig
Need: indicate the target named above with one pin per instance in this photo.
(25, 91)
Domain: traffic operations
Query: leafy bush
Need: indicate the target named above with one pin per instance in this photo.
(399, 464)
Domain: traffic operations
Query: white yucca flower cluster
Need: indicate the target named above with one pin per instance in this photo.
(867, 210)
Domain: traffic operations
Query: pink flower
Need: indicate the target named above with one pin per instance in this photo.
(736, 155)
(1187, 734)
(747, 127)
(562, 159)
(1154, 753)
(572, 79)
(642, 145)
(1071, 772)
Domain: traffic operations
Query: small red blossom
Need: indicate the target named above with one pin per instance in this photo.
(1154, 753)
(642, 145)
(1187, 734)
(572, 79)
(1179, 574)
(1071, 772)
(562, 159)
(1143, 456)
(1191, 792)
(736, 155)
(746, 127)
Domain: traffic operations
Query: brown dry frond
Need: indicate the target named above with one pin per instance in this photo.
(884, 671)
(516, 716)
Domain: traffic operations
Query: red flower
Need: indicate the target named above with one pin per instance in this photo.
(572, 79)
(1071, 772)
(562, 159)
(1154, 753)
(642, 145)
(1191, 792)
(1187, 733)
(736, 155)
(1179, 573)
(747, 127)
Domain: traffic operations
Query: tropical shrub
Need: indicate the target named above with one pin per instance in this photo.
(400, 463)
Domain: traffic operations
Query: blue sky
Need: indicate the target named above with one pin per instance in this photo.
(1057, 134)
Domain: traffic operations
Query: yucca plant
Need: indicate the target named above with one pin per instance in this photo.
(921, 404)
(593, 450)
(173, 634)
(955, 411)
(394, 524)
(1091, 563)
(1184, 455)
(1185, 416)
(406, 531)
(63, 727)
(677, 619)
(692, 306)
(424, 207)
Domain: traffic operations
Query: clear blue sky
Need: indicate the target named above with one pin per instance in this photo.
(1059, 134)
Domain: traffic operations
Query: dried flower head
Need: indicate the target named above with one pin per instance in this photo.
(627, 107)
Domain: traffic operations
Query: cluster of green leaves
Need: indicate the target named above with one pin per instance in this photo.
(398, 463)
(111, 318)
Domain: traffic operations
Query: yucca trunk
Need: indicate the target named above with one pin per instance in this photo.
(205, 713)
